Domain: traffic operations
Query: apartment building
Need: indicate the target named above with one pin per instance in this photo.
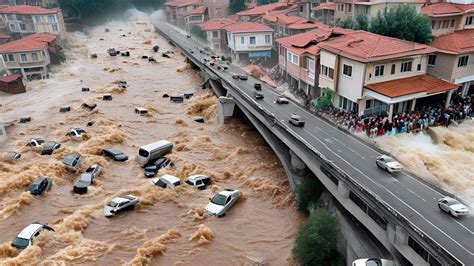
(216, 34)
(195, 17)
(249, 40)
(217, 8)
(324, 13)
(28, 56)
(370, 73)
(280, 23)
(256, 14)
(449, 17)
(176, 10)
(23, 20)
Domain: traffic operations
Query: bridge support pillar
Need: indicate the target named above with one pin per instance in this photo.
(297, 164)
(343, 189)
(225, 109)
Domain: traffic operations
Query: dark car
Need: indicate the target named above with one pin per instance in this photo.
(243, 77)
(49, 147)
(258, 95)
(114, 154)
(235, 76)
(257, 86)
(296, 120)
(86, 179)
(40, 185)
(151, 169)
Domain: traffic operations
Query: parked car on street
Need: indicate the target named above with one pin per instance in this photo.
(452, 206)
(388, 164)
(297, 120)
(86, 179)
(152, 168)
(40, 185)
(243, 77)
(49, 147)
(258, 95)
(166, 181)
(199, 181)
(119, 204)
(222, 202)
(114, 154)
(25, 238)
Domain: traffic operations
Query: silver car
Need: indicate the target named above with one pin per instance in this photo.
(452, 206)
(388, 163)
(119, 204)
(222, 202)
(86, 179)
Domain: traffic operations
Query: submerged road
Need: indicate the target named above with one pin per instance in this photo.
(412, 198)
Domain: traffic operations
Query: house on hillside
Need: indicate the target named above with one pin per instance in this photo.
(176, 10)
(12, 83)
(324, 13)
(449, 17)
(249, 40)
(256, 14)
(195, 17)
(216, 36)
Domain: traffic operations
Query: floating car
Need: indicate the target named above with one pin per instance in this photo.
(243, 77)
(26, 236)
(114, 154)
(141, 111)
(296, 120)
(40, 185)
(76, 133)
(452, 206)
(86, 179)
(119, 204)
(282, 100)
(388, 163)
(107, 97)
(222, 202)
(152, 168)
(166, 181)
(35, 144)
(258, 95)
(11, 156)
(89, 106)
(257, 86)
(49, 147)
(199, 181)
(72, 161)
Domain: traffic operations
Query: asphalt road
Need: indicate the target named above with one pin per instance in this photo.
(403, 192)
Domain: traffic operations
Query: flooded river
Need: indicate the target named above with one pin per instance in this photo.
(168, 227)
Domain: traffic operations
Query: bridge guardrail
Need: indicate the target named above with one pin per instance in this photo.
(342, 175)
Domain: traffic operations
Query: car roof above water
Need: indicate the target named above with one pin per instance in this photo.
(30, 230)
(155, 145)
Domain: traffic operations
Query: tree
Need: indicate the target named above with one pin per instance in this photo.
(404, 23)
(265, 2)
(236, 6)
(308, 192)
(362, 22)
(348, 23)
(196, 31)
(316, 240)
(324, 101)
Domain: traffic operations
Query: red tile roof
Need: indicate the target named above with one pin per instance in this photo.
(4, 36)
(284, 19)
(327, 6)
(26, 9)
(37, 41)
(261, 10)
(305, 25)
(197, 11)
(368, 47)
(438, 9)
(247, 27)
(456, 42)
(406, 86)
(216, 24)
(182, 3)
(10, 78)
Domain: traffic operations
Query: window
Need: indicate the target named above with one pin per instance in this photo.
(452, 23)
(11, 57)
(311, 67)
(22, 27)
(19, 17)
(252, 40)
(5, 58)
(379, 70)
(340, 7)
(34, 56)
(462, 61)
(431, 59)
(242, 40)
(392, 71)
(282, 51)
(433, 24)
(55, 27)
(23, 58)
(51, 18)
(348, 8)
(293, 58)
(215, 34)
(301, 8)
(9, 17)
(406, 67)
(327, 72)
(43, 53)
(12, 27)
(37, 19)
(347, 70)
(469, 20)
(418, 67)
(267, 38)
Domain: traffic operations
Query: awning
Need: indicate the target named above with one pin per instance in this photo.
(408, 88)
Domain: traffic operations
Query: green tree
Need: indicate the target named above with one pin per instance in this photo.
(316, 240)
(404, 23)
(362, 22)
(348, 23)
(265, 2)
(308, 192)
(197, 32)
(324, 101)
(236, 6)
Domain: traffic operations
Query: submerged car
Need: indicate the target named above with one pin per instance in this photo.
(119, 204)
(222, 202)
(49, 147)
(35, 143)
(11, 156)
(198, 181)
(166, 181)
(86, 179)
(114, 154)
(72, 161)
(76, 133)
(151, 169)
(26, 236)
(388, 163)
(282, 100)
(40, 185)
(452, 206)
(297, 120)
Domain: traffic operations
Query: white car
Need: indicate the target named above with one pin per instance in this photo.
(373, 262)
(388, 163)
(282, 100)
(452, 206)
(222, 202)
(198, 181)
(76, 133)
(35, 144)
(166, 181)
(26, 236)
(119, 204)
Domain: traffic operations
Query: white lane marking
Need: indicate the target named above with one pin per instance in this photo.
(472, 233)
(383, 187)
(339, 150)
(335, 139)
(352, 150)
(413, 192)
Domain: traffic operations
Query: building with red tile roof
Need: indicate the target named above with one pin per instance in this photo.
(249, 40)
(28, 56)
(12, 83)
(453, 60)
(176, 10)
(195, 17)
(325, 12)
(215, 33)
(255, 14)
(245, 26)
(280, 23)
(23, 20)
(449, 17)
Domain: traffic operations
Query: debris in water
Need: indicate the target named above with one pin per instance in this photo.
(203, 235)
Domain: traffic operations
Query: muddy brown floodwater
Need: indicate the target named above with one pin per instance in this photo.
(168, 227)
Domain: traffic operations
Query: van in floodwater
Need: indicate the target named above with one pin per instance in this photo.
(153, 151)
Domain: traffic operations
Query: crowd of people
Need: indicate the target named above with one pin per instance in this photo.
(414, 121)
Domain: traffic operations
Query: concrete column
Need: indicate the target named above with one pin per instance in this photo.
(413, 103)
(343, 189)
(390, 111)
(296, 163)
(448, 98)
(465, 88)
(401, 236)
(225, 109)
(23, 73)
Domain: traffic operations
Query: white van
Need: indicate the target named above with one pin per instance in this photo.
(153, 151)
